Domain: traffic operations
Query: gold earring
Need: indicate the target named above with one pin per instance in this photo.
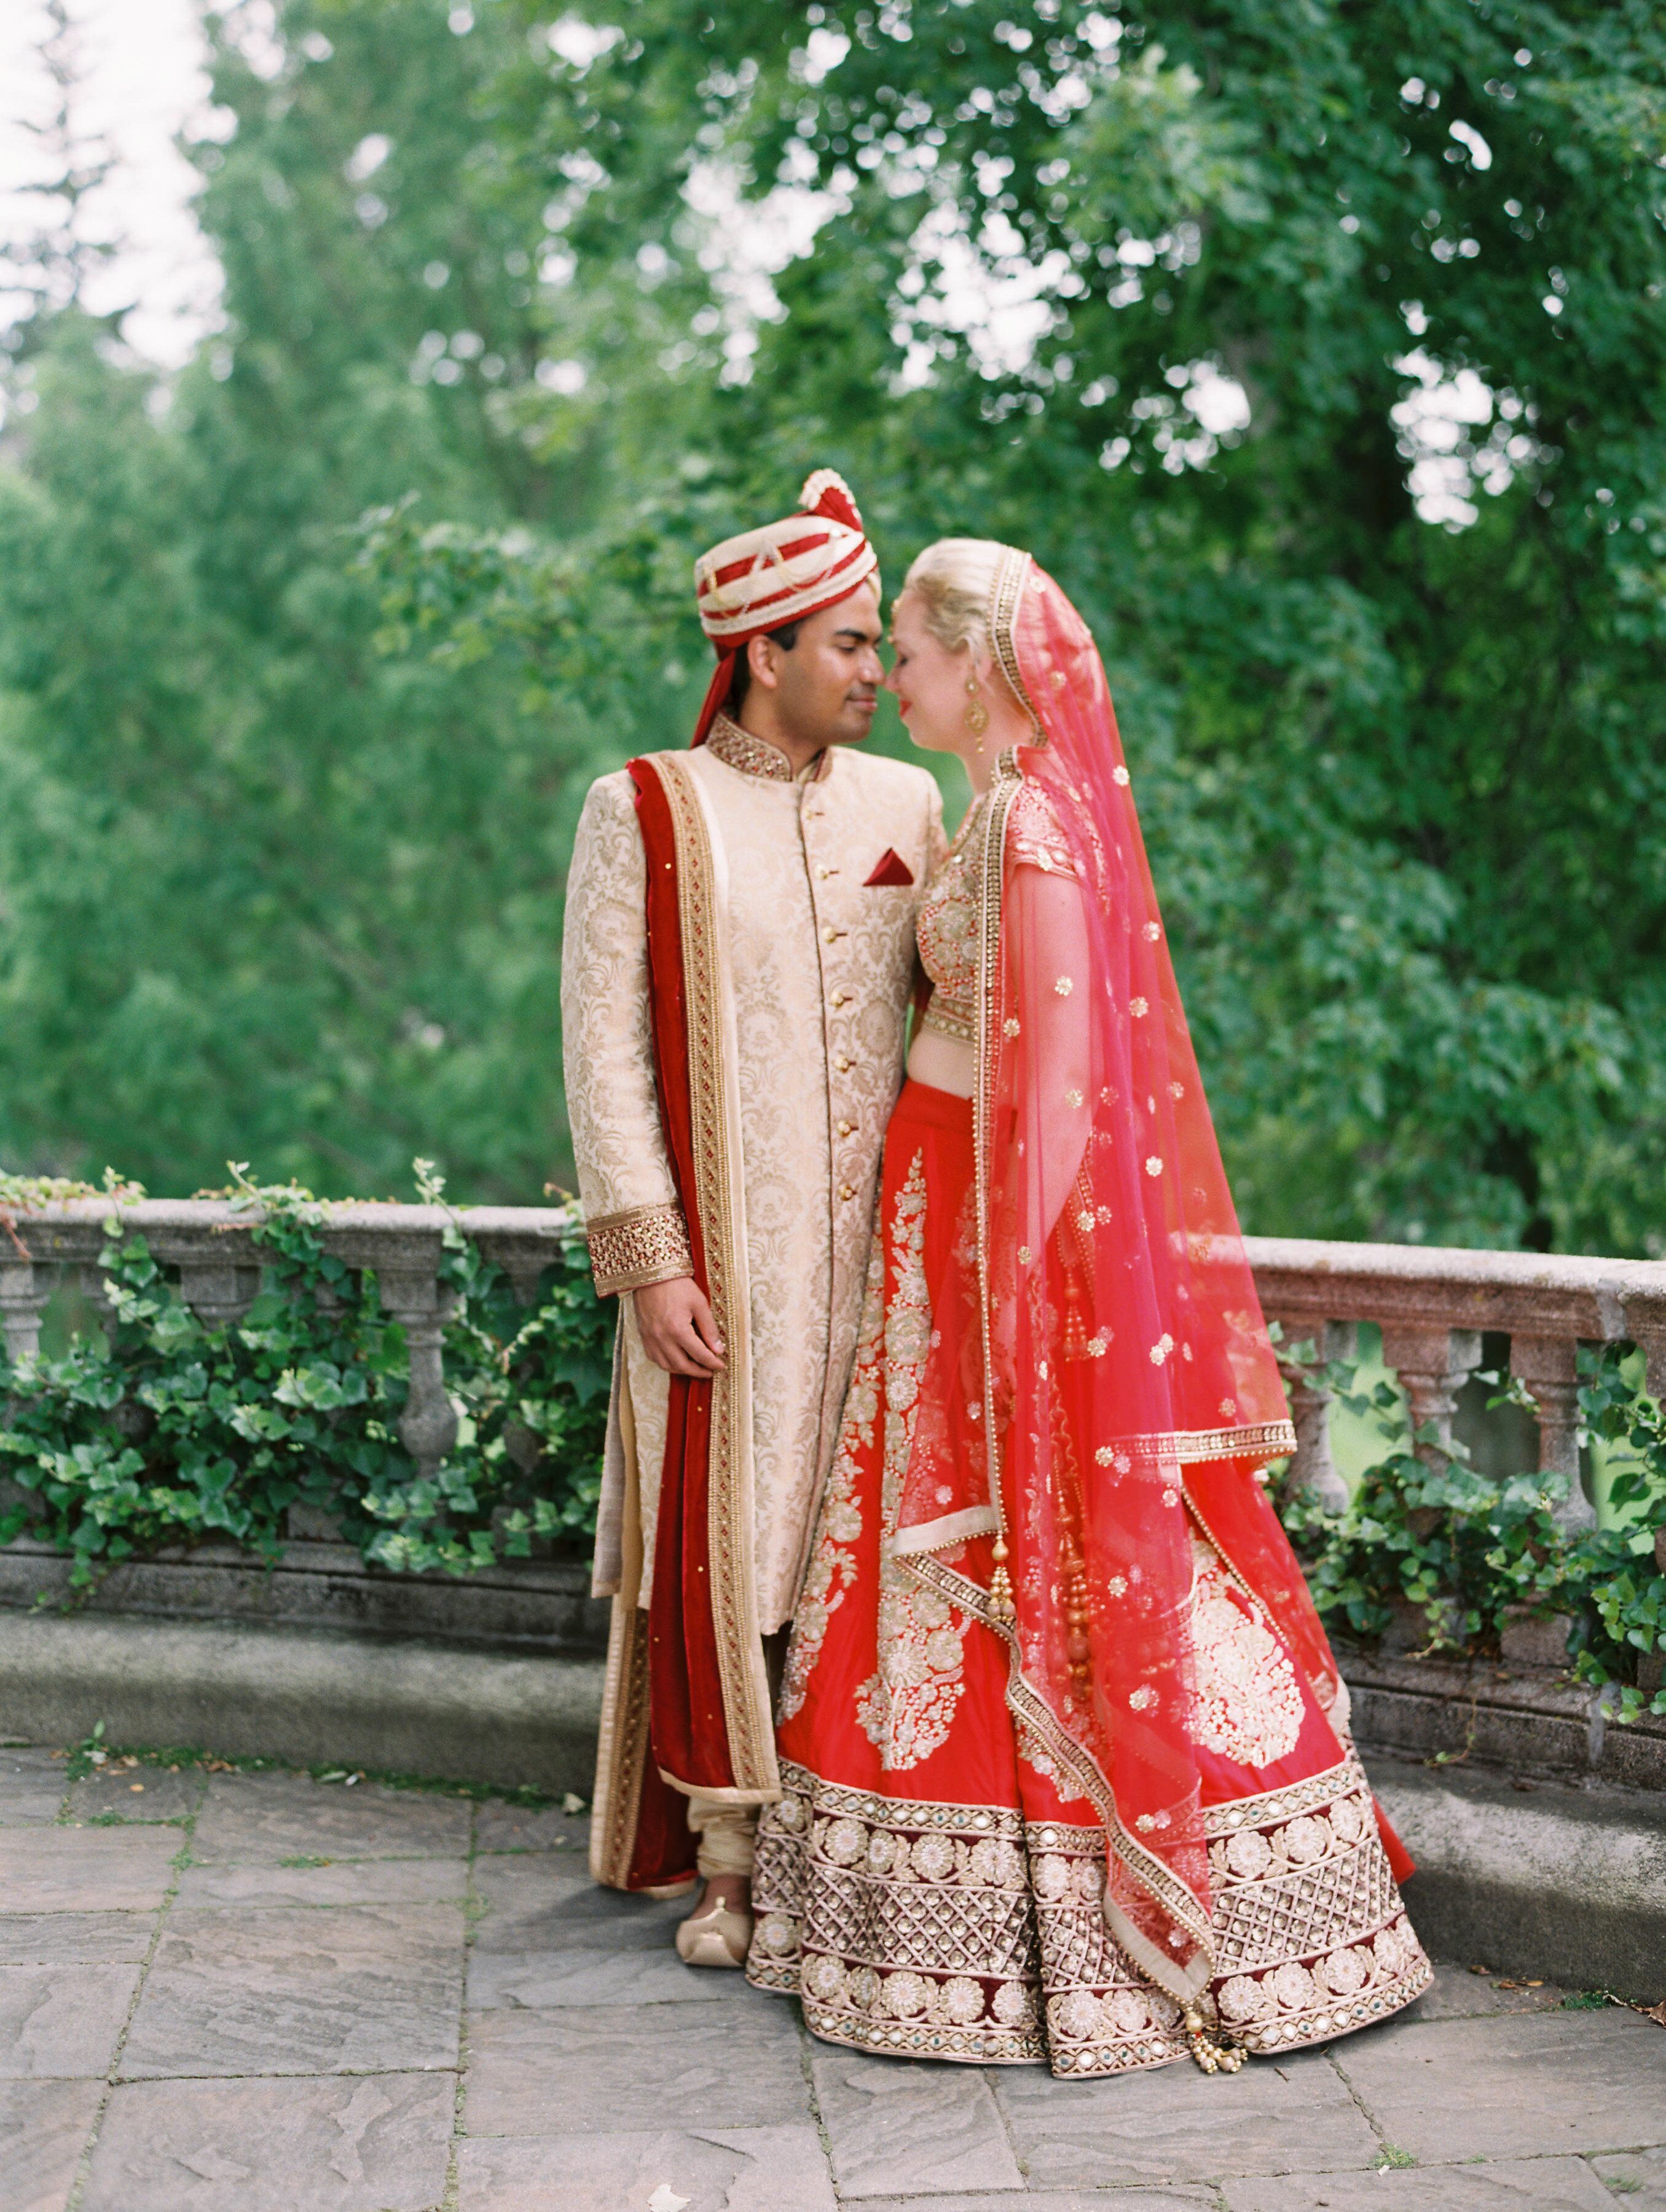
(977, 714)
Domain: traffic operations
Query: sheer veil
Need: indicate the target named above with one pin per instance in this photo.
(1099, 1361)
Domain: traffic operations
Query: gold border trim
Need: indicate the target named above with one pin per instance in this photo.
(1008, 590)
(1192, 1447)
(643, 1245)
(748, 1721)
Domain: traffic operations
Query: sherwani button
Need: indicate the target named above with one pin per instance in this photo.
(846, 1127)
(846, 1191)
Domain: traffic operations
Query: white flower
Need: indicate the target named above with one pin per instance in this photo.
(1064, 987)
(1119, 775)
(1137, 1007)
(1153, 1165)
(1152, 933)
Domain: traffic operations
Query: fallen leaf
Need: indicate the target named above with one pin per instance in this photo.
(666, 2199)
(1480, 1970)
(137, 1788)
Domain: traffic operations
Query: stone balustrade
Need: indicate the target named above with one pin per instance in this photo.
(208, 1244)
(1433, 1304)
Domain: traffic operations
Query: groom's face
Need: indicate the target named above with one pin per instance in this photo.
(827, 687)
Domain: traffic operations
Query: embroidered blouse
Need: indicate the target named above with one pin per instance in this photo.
(948, 922)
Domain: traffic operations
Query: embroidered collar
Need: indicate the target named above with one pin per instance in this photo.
(738, 749)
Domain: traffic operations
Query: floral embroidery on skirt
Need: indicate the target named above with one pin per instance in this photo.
(964, 1921)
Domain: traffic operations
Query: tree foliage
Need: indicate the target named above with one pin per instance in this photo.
(284, 806)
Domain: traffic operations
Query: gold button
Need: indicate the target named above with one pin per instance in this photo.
(838, 998)
(843, 1063)
(845, 1127)
(845, 1191)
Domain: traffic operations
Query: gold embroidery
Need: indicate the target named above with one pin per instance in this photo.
(947, 931)
(738, 749)
(832, 1562)
(748, 1722)
(649, 1244)
(907, 1707)
(1246, 1702)
(1191, 1447)
(960, 1931)
(1008, 589)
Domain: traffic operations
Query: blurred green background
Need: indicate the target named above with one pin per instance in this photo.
(1318, 350)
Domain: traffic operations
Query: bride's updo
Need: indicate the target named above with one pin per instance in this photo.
(954, 581)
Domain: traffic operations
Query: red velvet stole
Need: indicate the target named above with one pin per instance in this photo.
(688, 1734)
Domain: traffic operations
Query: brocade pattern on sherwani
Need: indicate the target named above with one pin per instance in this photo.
(820, 965)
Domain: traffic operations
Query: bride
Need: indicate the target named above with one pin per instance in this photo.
(1066, 1754)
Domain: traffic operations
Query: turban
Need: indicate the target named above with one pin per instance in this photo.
(764, 579)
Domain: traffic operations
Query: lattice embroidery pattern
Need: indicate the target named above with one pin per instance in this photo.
(832, 1567)
(649, 1244)
(888, 1917)
(907, 1707)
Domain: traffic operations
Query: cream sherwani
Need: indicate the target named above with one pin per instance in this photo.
(815, 967)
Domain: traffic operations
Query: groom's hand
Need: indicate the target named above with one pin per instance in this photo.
(677, 1331)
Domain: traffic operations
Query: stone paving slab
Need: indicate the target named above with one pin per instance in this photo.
(1636, 2177)
(377, 2001)
(1460, 1993)
(500, 1827)
(532, 1904)
(534, 1980)
(31, 1784)
(1570, 2081)
(1173, 2123)
(62, 2020)
(337, 1881)
(86, 1870)
(899, 2125)
(1180, 2198)
(625, 2068)
(710, 2170)
(376, 2145)
(144, 1793)
(75, 1939)
(1548, 2185)
(43, 2127)
(263, 1819)
(298, 1992)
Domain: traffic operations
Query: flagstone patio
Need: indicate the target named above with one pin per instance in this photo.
(255, 1992)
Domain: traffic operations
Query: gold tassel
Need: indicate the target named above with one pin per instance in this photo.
(1213, 2056)
(1001, 1606)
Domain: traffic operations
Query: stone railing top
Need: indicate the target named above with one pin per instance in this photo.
(1540, 1295)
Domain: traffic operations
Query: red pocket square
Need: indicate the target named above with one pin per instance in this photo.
(890, 870)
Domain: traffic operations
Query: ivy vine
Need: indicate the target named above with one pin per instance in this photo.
(159, 1431)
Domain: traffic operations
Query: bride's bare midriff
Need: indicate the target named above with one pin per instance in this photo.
(943, 1062)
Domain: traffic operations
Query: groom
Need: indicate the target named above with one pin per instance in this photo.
(738, 953)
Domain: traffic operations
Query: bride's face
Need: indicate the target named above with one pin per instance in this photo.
(929, 681)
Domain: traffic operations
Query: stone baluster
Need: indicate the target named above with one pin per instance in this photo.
(24, 1290)
(1549, 1368)
(219, 1292)
(1312, 1470)
(96, 1292)
(1433, 1364)
(414, 1298)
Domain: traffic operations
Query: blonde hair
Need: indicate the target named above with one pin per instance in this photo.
(954, 581)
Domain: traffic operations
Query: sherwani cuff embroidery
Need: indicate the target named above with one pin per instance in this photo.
(649, 1244)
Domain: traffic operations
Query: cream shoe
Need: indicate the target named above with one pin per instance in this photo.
(718, 1937)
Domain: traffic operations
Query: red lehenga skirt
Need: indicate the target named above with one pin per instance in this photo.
(923, 1885)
